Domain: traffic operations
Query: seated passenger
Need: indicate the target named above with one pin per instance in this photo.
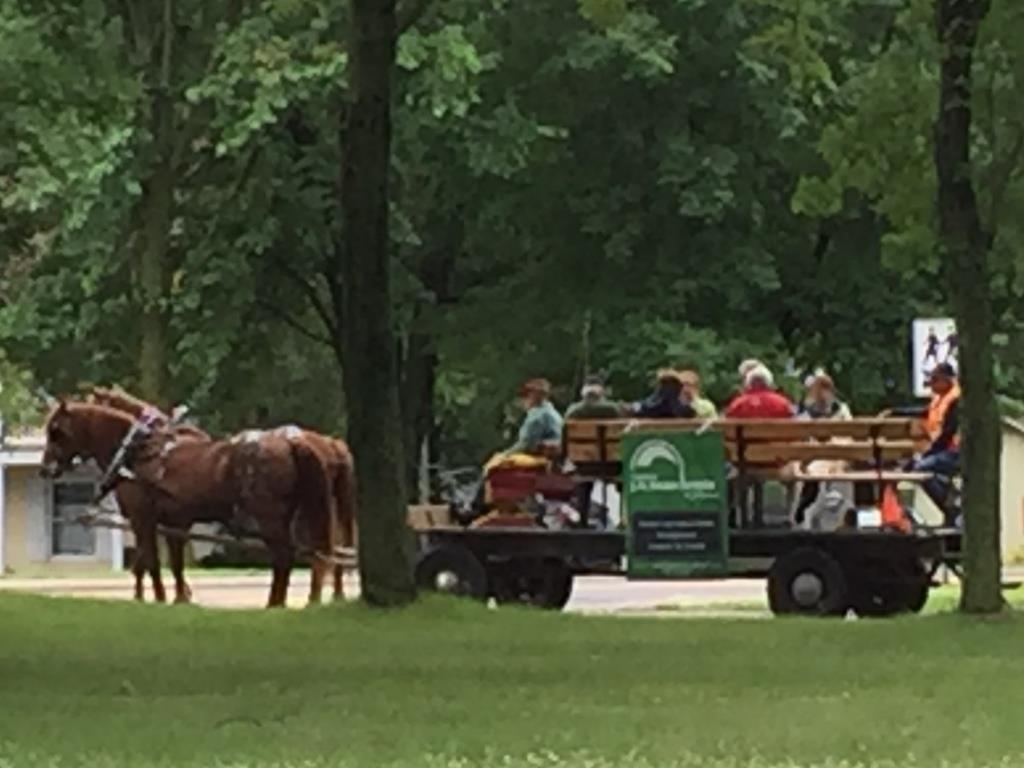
(759, 400)
(942, 422)
(539, 439)
(594, 402)
(821, 402)
(667, 401)
(703, 407)
(541, 430)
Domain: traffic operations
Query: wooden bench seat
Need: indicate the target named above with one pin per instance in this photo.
(594, 446)
(885, 475)
(770, 453)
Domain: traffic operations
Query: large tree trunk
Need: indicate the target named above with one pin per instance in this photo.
(371, 375)
(157, 213)
(965, 259)
(419, 367)
(419, 358)
(153, 272)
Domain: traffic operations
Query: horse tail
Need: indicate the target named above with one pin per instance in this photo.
(345, 506)
(314, 499)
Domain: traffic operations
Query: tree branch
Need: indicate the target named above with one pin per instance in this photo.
(294, 324)
(1000, 181)
(310, 291)
(409, 12)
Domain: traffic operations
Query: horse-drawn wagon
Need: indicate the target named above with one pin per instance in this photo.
(715, 524)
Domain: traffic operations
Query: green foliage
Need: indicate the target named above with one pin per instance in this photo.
(693, 182)
(19, 403)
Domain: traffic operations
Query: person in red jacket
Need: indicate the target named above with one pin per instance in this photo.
(759, 400)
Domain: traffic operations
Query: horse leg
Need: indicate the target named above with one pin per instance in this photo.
(322, 539)
(276, 530)
(176, 553)
(339, 585)
(345, 519)
(140, 574)
(318, 573)
(150, 557)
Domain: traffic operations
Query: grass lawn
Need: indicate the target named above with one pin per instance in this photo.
(451, 684)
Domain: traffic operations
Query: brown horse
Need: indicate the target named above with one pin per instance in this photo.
(266, 477)
(333, 453)
(131, 497)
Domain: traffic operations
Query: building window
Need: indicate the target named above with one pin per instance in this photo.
(71, 500)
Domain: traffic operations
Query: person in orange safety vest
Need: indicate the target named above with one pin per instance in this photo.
(942, 423)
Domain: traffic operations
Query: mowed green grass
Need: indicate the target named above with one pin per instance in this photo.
(450, 684)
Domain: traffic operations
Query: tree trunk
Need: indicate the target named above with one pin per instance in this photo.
(419, 366)
(153, 272)
(965, 260)
(371, 375)
(157, 215)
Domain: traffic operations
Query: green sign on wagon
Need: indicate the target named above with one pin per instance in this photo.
(675, 502)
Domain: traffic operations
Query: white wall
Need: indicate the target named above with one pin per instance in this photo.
(1011, 496)
(1011, 502)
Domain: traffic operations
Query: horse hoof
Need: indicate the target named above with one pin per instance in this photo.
(182, 599)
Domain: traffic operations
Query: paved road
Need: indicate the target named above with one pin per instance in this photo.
(592, 594)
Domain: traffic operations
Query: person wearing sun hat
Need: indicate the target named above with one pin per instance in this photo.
(542, 425)
(667, 401)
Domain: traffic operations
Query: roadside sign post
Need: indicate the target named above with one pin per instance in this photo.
(675, 502)
(933, 341)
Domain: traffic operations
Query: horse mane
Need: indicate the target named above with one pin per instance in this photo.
(135, 407)
(94, 410)
(122, 401)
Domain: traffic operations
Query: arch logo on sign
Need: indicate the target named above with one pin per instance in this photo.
(675, 504)
(657, 466)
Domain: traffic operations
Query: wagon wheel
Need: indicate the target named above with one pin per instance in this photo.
(807, 582)
(543, 583)
(452, 570)
(904, 591)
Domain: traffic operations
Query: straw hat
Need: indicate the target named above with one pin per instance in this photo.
(536, 387)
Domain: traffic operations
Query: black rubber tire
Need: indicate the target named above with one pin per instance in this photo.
(903, 590)
(468, 577)
(539, 583)
(831, 596)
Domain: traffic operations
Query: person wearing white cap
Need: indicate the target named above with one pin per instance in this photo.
(593, 402)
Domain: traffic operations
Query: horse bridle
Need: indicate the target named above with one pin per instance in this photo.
(117, 469)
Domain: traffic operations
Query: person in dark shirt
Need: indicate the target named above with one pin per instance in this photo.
(666, 402)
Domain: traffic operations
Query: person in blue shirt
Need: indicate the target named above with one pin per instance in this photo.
(541, 430)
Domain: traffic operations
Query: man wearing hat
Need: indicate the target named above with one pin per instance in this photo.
(942, 423)
(593, 402)
(666, 402)
(541, 430)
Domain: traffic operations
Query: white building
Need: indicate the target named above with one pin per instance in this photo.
(39, 534)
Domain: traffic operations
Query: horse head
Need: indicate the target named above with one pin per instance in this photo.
(63, 440)
(80, 431)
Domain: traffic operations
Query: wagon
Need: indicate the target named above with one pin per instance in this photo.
(864, 567)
